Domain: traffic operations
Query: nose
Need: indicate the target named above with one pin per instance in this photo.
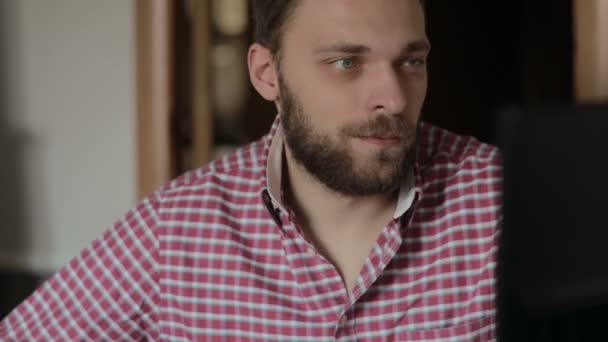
(388, 92)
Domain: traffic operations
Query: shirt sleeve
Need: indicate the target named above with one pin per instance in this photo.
(108, 292)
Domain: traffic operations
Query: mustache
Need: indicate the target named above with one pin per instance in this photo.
(394, 126)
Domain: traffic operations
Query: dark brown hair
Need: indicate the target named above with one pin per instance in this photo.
(270, 18)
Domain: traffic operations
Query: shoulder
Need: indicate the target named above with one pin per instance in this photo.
(231, 178)
(451, 152)
(459, 169)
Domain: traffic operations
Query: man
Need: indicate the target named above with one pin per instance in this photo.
(351, 220)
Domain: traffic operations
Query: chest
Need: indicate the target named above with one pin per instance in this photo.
(277, 290)
(347, 253)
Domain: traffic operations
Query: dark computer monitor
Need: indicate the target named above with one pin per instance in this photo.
(553, 257)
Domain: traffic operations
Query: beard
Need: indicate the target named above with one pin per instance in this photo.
(331, 161)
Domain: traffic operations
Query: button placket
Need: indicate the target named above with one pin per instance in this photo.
(343, 328)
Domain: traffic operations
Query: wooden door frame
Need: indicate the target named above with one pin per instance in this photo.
(591, 50)
(157, 150)
(154, 79)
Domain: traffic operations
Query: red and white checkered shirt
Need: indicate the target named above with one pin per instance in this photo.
(214, 257)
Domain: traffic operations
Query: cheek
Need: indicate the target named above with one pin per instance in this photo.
(329, 103)
(416, 94)
(419, 88)
(328, 107)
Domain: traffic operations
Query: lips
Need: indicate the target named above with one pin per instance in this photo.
(386, 136)
(382, 140)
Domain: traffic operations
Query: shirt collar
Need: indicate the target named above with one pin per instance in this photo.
(407, 190)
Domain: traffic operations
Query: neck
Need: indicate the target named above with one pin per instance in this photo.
(317, 206)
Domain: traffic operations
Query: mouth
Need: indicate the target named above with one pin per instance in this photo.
(381, 140)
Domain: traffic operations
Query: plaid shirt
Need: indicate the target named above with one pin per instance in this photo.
(215, 257)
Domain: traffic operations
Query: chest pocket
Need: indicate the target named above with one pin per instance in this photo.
(479, 330)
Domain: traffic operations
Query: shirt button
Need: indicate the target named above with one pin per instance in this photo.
(343, 320)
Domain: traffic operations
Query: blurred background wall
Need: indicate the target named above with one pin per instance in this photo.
(67, 136)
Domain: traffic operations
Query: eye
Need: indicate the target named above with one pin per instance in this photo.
(415, 62)
(345, 64)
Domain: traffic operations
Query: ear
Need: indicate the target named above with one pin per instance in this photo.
(262, 72)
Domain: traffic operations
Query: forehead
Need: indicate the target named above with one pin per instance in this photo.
(379, 24)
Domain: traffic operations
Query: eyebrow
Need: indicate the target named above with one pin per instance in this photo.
(421, 45)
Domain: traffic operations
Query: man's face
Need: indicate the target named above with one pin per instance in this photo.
(352, 84)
